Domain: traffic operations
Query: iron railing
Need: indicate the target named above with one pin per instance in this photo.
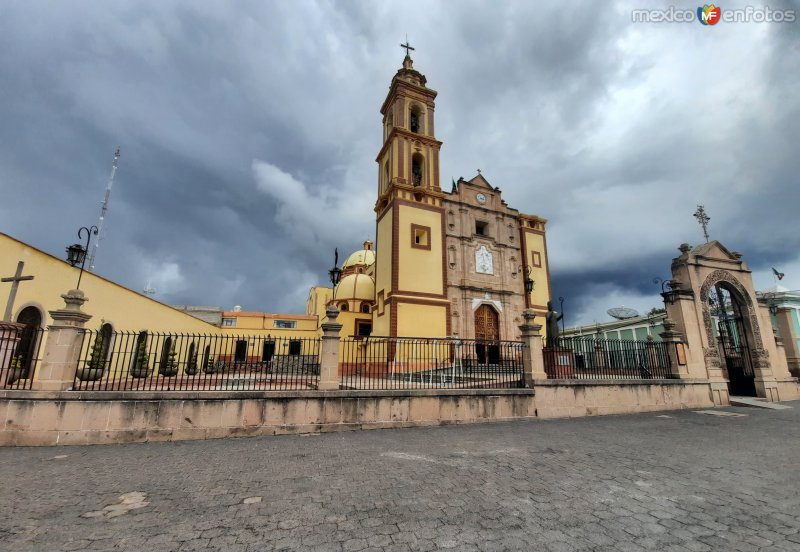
(148, 361)
(589, 358)
(19, 356)
(429, 363)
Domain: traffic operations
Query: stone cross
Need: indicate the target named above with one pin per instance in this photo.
(407, 46)
(15, 280)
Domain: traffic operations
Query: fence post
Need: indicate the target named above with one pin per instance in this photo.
(329, 357)
(62, 350)
(532, 349)
(673, 340)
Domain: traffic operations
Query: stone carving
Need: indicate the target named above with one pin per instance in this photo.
(483, 261)
(746, 302)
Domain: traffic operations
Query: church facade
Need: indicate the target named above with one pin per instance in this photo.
(446, 262)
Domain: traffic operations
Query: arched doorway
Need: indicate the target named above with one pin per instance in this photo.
(487, 334)
(734, 340)
(28, 344)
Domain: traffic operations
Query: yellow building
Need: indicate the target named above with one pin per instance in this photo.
(445, 262)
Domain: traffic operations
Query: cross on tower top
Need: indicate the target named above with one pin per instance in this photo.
(703, 219)
(15, 280)
(407, 46)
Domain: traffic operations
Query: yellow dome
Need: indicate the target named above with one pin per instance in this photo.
(355, 286)
(365, 257)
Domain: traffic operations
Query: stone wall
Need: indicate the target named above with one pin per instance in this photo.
(34, 418)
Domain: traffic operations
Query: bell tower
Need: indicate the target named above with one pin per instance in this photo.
(410, 276)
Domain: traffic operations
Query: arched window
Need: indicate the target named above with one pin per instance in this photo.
(343, 307)
(191, 360)
(207, 358)
(386, 174)
(415, 120)
(365, 308)
(417, 162)
(389, 125)
(28, 343)
(140, 358)
(107, 339)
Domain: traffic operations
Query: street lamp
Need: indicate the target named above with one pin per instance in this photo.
(561, 306)
(529, 283)
(335, 273)
(76, 253)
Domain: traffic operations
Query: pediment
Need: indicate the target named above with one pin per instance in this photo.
(714, 250)
(481, 182)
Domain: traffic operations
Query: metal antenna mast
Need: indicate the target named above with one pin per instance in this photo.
(104, 210)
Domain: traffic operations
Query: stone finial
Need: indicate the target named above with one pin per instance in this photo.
(74, 300)
(736, 255)
(684, 248)
(332, 313)
(669, 324)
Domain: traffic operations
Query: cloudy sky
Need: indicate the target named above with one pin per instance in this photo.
(249, 132)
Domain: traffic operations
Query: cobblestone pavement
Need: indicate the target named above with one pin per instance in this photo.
(656, 481)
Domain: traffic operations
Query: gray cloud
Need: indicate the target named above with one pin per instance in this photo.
(249, 135)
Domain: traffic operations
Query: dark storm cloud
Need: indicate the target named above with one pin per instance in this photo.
(249, 133)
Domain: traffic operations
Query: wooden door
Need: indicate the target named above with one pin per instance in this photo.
(487, 325)
(487, 333)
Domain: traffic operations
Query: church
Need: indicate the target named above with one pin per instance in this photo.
(446, 262)
(456, 261)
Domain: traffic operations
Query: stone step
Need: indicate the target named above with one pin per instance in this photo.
(758, 403)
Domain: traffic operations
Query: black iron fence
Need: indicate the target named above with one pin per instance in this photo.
(145, 361)
(429, 363)
(589, 358)
(19, 355)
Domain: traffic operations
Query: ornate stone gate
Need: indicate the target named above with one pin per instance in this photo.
(702, 278)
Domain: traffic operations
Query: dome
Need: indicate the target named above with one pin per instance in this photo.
(364, 257)
(355, 286)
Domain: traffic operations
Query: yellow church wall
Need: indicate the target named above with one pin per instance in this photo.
(421, 269)
(381, 325)
(123, 308)
(535, 243)
(317, 302)
(415, 320)
(383, 254)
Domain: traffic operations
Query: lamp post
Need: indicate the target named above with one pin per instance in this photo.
(664, 284)
(76, 253)
(335, 273)
(561, 307)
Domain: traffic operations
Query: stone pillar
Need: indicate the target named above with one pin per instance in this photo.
(329, 357)
(674, 340)
(63, 347)
(682, 311)
(784, 317)
(532, 349)
(10, 334)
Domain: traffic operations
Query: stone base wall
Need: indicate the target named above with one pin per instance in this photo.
(30, 418)
(788, 389)
(561, 399)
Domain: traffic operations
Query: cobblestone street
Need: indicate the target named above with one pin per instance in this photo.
(657, 481)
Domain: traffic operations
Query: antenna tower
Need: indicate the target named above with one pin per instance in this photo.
(104, 210)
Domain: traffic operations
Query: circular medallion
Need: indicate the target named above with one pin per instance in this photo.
(481, 198)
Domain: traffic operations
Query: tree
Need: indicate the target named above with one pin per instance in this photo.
(169, 366)
(656, 311)
(140, 367)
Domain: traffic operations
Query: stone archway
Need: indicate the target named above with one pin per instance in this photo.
(735, 336)
(710, 271)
